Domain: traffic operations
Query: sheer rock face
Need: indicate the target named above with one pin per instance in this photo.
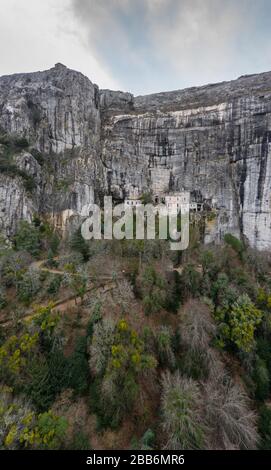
(211, 140)
(57, 111)
(214, 141)
(15, 204)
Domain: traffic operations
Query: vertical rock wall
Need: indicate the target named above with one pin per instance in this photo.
(213, 141)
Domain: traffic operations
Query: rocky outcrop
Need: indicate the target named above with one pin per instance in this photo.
(214, 141)
(15, 204)
(57, 112)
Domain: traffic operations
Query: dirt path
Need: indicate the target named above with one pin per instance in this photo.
(73, 300)
(101, 285)
(39, 265)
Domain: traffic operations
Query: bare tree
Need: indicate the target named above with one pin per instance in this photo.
(197, 326)
(102, 342)
(125, 294)
(228, 415)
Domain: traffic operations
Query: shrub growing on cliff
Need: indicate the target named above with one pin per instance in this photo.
(27, 238)
(235, 244)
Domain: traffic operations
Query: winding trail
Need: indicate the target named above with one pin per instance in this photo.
(101, 285)
(39, 265)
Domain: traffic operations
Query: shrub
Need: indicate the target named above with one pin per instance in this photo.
(194, 364)
(261, 380)
(12, 146)
(12, 267)
(209, 264)
(235, 244)
(264, 350)
(164, 345)
(79, 244)
(3, 300)
(147, 441)
(54, 243)
(146, 198)
(222, 293)
(27, 238)
(38, 156)
(244, 282)
(15, 353)
(29, 285)
(80, 441)
(54, 285)
(78, 281)
(21, 142)
(265, 427)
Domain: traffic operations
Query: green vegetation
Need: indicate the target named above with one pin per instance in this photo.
(180, 402)
(235, 244)
(104, 344)
(238, 323)
(10, 146)
(22, 428)
(117, 358)
(153, 290)
(79, 244)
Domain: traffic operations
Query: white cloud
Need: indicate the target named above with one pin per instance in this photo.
(142, 45)
(36, 34)
(186, 42)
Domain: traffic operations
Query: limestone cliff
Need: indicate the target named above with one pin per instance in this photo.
(81, 143)
(57, 112)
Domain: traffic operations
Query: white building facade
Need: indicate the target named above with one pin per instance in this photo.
(176, 201)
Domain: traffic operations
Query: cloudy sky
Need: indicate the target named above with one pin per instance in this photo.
(142, 46)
